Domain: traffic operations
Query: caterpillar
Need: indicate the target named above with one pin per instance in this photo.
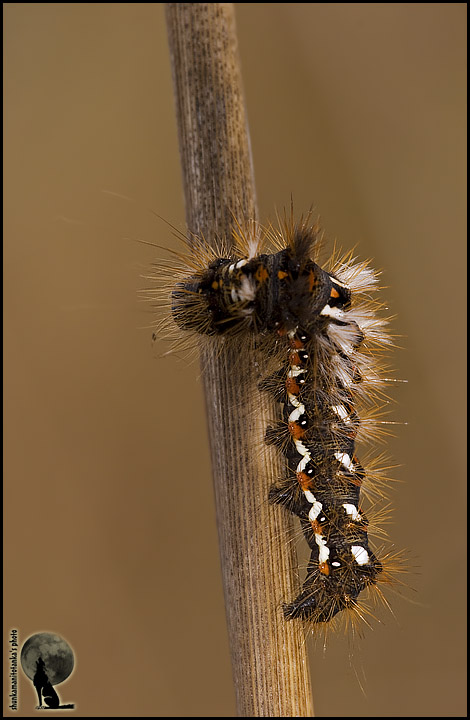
(323, 328)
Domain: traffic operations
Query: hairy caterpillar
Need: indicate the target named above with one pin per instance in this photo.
(320, 325)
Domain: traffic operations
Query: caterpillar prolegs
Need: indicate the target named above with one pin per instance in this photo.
(322, 326)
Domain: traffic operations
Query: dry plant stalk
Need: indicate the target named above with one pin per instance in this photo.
(269, 660)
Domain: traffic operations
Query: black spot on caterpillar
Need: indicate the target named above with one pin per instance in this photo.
(322, 325)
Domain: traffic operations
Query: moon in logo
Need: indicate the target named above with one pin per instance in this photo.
(54, 650)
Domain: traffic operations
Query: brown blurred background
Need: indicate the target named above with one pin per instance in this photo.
(356, 107)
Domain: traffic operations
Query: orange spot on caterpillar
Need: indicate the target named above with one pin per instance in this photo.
(261, 274)
(292, 386)
(296, 343)
(358, 465)
(315, 527)
(312, 281)
(282, 274)
(294, 358)
(295, 430)
(305, 482)
(215, 285)
(334, 293)
(324, 568)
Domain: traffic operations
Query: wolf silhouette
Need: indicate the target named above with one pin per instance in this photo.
(47, 696)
